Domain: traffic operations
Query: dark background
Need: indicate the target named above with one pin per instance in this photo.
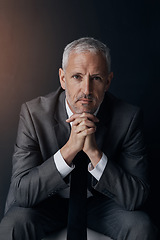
(33, 34)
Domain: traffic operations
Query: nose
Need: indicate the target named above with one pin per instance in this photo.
(87, 85)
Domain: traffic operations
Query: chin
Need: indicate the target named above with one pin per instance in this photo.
(86, 110)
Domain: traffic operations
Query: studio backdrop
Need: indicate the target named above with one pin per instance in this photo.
(33, 34)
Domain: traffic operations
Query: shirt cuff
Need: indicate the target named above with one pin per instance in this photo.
(61, 165)
(99, 168)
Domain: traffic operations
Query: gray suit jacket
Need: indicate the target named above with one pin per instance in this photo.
(43, 131)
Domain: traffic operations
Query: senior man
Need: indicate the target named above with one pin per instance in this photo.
(80, 159)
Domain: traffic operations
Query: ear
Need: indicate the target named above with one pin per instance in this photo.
(109, 79)
(62, 78)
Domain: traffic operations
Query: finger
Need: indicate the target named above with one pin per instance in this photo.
(73, 117)
(80, 128)
(87, 132)
(83, 121)
(90, 117)
(83, 115)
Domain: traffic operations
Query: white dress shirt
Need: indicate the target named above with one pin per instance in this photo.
(64, 169)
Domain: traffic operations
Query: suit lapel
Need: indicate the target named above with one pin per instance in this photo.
(102, 133)
(62, 129)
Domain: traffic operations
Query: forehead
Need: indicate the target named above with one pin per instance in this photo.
(86, 61)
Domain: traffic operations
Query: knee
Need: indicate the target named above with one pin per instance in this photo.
(139, 225)
(18, 216)
(20, 222)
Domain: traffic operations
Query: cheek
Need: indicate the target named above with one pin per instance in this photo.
(73, 90)
(70, 94)
(99, 92)
(100, 97)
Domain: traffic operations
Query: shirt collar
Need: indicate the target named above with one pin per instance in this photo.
(69, 112)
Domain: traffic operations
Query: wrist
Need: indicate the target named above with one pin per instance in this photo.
(68, 153)
(95, 156)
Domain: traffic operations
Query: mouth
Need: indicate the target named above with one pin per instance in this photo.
(85, 100)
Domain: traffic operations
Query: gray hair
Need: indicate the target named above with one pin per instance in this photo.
(86, 44)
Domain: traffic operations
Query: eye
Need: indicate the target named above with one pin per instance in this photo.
(77, 77)
(97, 78)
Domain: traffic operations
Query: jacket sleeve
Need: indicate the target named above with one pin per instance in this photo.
(125, 179)
(33, 178)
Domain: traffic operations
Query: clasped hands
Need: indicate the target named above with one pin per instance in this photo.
(82, 137)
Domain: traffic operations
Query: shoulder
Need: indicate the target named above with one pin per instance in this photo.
(119, 106)
(43, 104)
(45, 101)
(117, 110)
(119, 103)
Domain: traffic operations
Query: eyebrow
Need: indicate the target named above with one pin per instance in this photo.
(94, 74)
(78, 73)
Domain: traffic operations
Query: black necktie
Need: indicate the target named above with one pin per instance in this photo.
(77, 218)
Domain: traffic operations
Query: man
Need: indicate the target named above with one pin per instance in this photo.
(81, 116)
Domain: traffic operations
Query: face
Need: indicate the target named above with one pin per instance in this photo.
(85, 81)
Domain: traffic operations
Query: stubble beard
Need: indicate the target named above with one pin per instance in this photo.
(85, 107)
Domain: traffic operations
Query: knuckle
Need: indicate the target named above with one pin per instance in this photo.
(84, 121)
(83, 114)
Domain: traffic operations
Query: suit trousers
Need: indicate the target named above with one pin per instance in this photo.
(103, 215)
